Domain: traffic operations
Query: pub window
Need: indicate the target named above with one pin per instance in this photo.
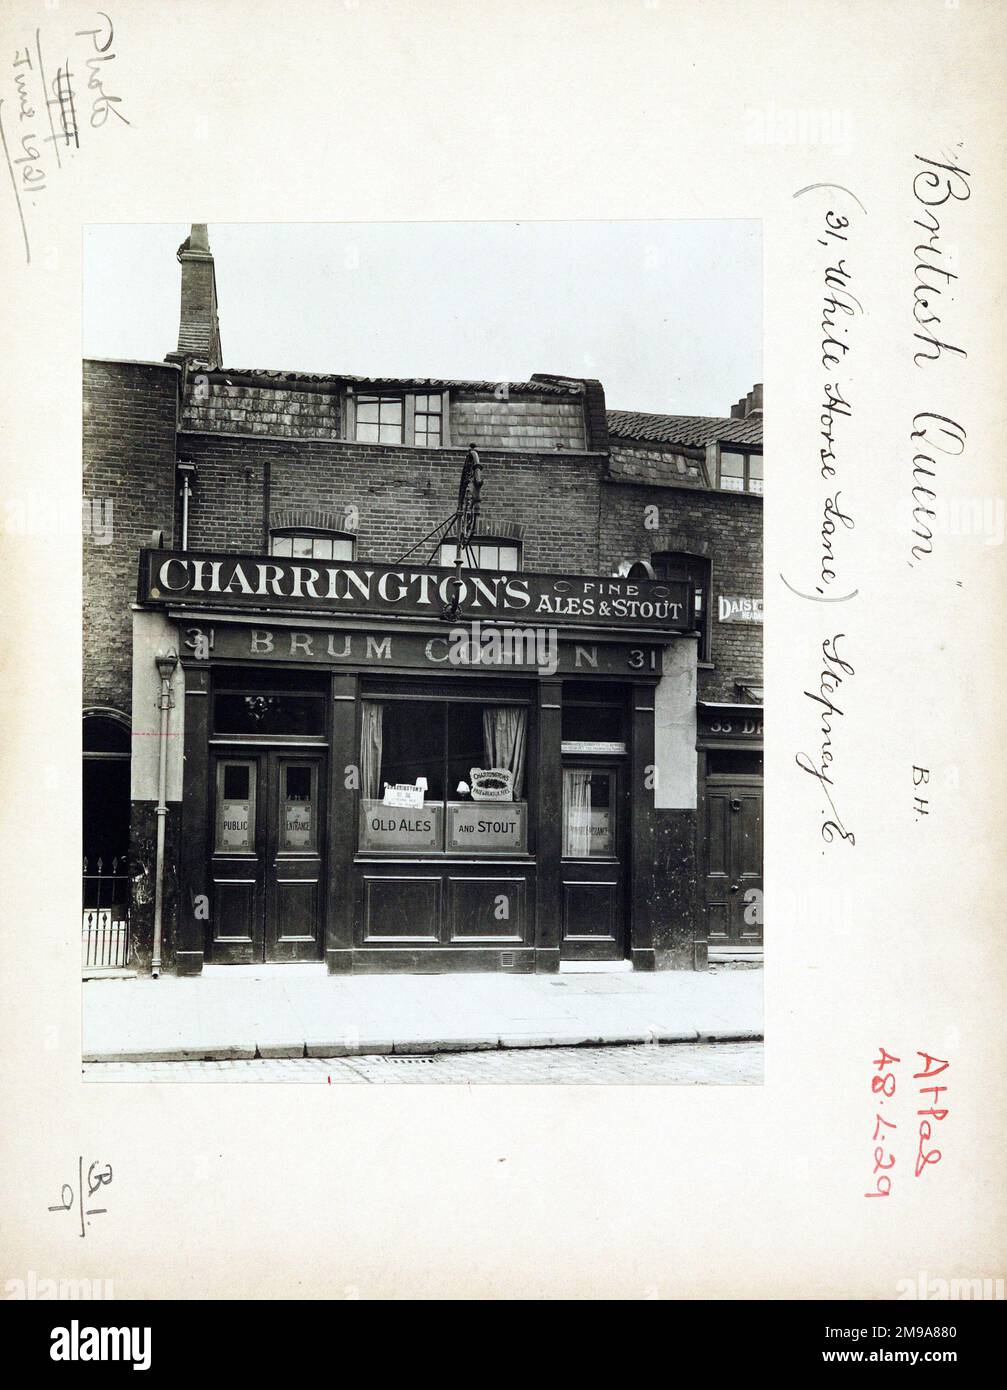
(311, 545)
(740, 472)
(693, 570)
(379, 419)
(589, 813)
(438, 775)
(489, 554)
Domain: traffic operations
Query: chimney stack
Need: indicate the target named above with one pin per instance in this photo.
(748, 405)
(198, 328)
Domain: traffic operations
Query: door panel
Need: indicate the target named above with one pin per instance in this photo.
(486, 910)
(592, 874)
(236, 869)
(401, 909)
(733, 863)
(293, 858)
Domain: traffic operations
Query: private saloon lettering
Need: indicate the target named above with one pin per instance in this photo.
(335, 584)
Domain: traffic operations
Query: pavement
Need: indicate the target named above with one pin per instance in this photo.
(235, 1013)
(647, 1064)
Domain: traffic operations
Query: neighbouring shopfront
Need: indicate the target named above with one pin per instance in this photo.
(731, 778)
(368, 783)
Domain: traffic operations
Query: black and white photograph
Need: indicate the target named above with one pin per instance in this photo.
(423, 708)
(462, 838)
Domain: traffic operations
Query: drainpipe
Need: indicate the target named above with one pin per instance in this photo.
(166, 663)
(187, 470)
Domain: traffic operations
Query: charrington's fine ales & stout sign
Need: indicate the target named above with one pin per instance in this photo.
(266, 582)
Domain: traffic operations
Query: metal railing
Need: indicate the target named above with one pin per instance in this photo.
(105, 919)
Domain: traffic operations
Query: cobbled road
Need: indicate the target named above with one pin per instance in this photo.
(681, 1064)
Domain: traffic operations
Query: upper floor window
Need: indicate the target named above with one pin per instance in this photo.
(693, 570)
(399, 417)
(427, 420)
(740, 472)
(489, 554)
(379, 419)
(311, 545)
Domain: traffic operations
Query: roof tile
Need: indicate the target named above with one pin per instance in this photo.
(690, 431)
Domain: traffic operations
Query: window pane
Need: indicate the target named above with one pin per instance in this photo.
(588, 814)
(732, 484)
(732, 465)
(342, 550)
(390, 434)
(755, 485)
(447, 555)
(367, 408)
(485, 737)
(297, 818)
(466, 745)
(236, 780)
(391, 410)
(322, 548)
(507, 557)
(591, 724)
(367, 433)
(235, 821)
(301, 547)
(260, 712)
(486, 556)
(755, 465)
(281, 545)
(412, 745)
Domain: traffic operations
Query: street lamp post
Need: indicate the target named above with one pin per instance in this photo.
(166, 663)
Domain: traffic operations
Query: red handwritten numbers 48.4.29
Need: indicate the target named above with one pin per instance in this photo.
(883, 1088)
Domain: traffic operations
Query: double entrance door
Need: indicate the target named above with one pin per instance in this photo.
(267, 859)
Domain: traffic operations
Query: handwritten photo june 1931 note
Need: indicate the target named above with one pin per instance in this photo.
(503, 550)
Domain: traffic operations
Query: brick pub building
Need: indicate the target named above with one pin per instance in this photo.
(288, 745)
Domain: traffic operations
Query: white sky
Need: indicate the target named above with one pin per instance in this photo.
(668, 315)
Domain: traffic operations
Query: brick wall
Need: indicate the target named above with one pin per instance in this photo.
(726, 527)
(400, 494)
(129, 461)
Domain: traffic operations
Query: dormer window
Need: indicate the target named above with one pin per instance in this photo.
(740, 472)
(398, 417)
(427, 420)
(379, 419)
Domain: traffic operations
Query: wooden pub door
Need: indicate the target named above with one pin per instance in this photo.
(733, 863)
(267, 859)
